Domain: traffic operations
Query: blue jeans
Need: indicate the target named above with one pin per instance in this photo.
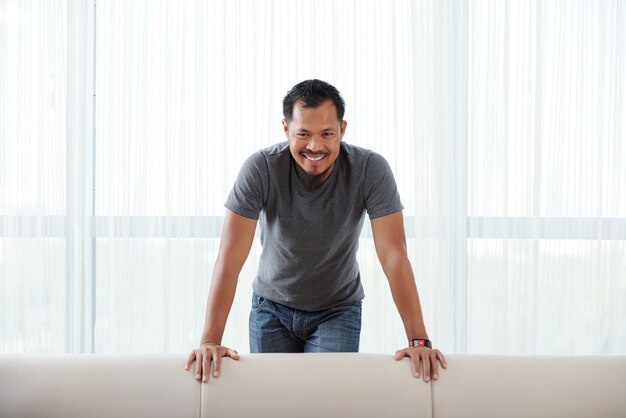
(275, 328)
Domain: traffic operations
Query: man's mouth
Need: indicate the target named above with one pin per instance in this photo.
(314, 157)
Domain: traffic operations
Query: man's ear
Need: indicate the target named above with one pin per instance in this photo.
(286, 128)
(343, 128)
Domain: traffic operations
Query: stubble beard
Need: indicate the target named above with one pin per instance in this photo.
(313, 181)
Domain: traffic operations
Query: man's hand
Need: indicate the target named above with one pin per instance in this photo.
(204, 355)
(428, 357)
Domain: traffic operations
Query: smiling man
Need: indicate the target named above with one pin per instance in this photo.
(315, 153)
(310, 195)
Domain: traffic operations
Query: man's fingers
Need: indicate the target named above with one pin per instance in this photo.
(426, 361)
(433, 364)
(442, 359)
(206, 366)
(198, 366)
(428, 357)
(415, 360)
(232, 354)
(205, 356)
(416, 365)
(190, 359)
(217, 363)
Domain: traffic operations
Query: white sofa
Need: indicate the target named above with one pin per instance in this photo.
(310, 385)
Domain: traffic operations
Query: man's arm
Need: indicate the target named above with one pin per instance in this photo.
(390, 242)
(235, 244)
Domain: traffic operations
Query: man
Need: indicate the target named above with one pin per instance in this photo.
(311, 194)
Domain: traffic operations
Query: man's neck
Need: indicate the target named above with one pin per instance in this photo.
(313, 182)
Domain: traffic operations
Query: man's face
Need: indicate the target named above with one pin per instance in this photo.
(314, 135)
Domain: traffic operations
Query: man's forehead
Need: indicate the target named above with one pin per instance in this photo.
(314, 125)
(325, 111)
(325, 105)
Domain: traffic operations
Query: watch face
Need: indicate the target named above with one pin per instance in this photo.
(420, 343)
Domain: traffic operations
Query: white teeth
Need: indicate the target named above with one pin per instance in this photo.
(310, 157)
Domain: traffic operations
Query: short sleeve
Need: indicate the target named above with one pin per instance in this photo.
(249, 193)
(380, 192)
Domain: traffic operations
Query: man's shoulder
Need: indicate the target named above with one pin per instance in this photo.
(267, 157)
(355, 154)
(275, 150)
(366, 158)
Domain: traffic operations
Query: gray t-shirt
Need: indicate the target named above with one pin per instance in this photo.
(310, 238)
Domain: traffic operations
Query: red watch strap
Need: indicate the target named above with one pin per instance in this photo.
(420, 343)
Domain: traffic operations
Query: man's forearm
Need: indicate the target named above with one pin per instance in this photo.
(235, 243)
(219, 302)
(404, 292)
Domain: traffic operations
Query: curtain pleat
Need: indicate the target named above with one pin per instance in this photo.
(123, 126)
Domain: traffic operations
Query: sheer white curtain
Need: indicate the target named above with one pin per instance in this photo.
(124, 124)
(185, 94)
(546, 177)
(33, 99)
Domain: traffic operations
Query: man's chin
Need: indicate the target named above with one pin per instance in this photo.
(312, 177)
(316, 171)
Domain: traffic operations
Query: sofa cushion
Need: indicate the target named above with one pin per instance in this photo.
(91, 386)
(507, 386)
(316, 385)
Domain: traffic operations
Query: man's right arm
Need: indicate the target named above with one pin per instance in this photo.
(235, 244)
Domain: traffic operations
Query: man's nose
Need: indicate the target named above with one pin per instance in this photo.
(314, 144)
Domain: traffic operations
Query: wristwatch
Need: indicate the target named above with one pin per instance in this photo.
(420, 343)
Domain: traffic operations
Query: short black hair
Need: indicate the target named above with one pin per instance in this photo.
(313, 93)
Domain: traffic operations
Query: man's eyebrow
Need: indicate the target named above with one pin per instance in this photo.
(322, 130)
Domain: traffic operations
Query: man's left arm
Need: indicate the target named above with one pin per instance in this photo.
(390, 242)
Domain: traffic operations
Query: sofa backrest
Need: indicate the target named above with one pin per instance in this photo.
(533, 386)
(94, 386)
(310, 385)
(316, 385)
(261, 385)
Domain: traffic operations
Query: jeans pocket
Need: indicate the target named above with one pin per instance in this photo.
(257, 302)
(350, 306)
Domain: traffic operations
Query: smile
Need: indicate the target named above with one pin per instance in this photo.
(314, 157)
